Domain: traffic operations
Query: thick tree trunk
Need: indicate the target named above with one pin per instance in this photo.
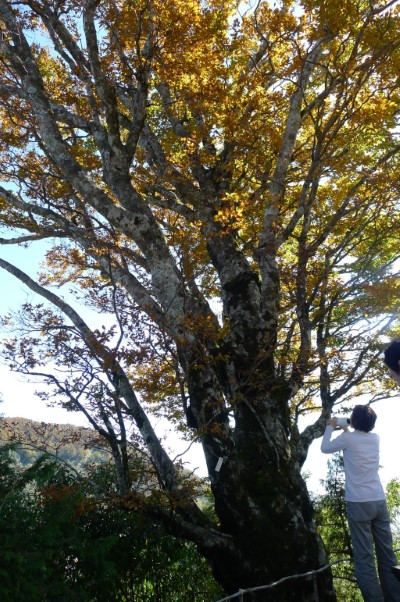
(277, 539)
(261, 499)
(263, 502)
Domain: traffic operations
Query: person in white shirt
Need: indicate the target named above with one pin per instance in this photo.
(367, 512)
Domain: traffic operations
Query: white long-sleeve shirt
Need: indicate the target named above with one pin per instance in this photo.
(361, 463)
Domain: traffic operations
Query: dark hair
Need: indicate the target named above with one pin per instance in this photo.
(392, 356)
(363, 418)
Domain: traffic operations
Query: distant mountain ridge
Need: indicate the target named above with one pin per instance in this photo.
(73, 444)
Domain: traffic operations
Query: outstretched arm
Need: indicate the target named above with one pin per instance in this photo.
(329, 445)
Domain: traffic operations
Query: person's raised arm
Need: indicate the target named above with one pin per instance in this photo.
(329, 445)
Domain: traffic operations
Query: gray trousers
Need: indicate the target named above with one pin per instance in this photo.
(369, 524)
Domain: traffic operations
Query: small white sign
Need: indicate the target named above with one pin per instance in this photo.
(219, 464)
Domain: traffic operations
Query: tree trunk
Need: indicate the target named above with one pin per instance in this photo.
(261, 500)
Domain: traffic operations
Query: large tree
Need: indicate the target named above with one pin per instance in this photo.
(223, 179)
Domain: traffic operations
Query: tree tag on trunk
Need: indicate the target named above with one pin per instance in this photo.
(219, 464)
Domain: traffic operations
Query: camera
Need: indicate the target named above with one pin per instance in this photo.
(342, 421)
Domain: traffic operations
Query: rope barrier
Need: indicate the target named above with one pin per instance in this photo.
(241, 592)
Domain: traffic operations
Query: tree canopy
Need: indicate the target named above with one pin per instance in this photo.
(222, 180)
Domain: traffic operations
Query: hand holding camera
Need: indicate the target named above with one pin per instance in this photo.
(339, 421)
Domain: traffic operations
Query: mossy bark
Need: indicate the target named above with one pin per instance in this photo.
(265, 506)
